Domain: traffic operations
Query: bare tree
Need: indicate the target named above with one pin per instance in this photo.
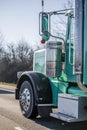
(16, 57)
(24, 51)
(11, 52)
(1, 45)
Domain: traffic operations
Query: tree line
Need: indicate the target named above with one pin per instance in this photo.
(14, 58)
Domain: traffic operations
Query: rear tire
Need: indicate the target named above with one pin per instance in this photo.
(27, 100)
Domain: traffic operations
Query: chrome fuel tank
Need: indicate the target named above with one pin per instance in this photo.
(53, 59)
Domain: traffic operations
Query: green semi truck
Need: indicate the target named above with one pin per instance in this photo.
(59, 75)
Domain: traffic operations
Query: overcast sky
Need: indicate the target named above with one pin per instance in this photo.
(19, 18)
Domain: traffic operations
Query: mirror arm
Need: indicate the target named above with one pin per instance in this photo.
(57, 37)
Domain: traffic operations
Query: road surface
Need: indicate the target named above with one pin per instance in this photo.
(12, 119)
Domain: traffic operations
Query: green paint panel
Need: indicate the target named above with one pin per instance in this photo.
(54, 86)
(69, 64)
(75, 90)
(57, 87)
(62, 87)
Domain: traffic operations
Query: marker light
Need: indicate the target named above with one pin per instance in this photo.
(43, 41)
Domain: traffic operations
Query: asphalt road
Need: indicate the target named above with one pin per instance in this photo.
(12, 119)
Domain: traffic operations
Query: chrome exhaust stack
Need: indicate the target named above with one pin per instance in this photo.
(78, 36)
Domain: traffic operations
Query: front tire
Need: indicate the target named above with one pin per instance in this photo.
(27, 100)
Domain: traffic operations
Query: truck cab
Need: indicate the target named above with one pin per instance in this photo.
(58, 79)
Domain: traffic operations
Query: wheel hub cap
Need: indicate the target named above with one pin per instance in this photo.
(25, 99)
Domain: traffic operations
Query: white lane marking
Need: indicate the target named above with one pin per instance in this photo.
(18, 128)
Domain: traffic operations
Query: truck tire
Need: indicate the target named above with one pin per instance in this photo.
(27, 100)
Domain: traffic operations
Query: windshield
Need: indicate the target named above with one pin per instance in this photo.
(58, 25)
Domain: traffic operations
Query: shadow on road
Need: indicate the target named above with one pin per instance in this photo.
(55, 124)
(6, 92)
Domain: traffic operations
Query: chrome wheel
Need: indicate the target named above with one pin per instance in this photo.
(25, 99)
